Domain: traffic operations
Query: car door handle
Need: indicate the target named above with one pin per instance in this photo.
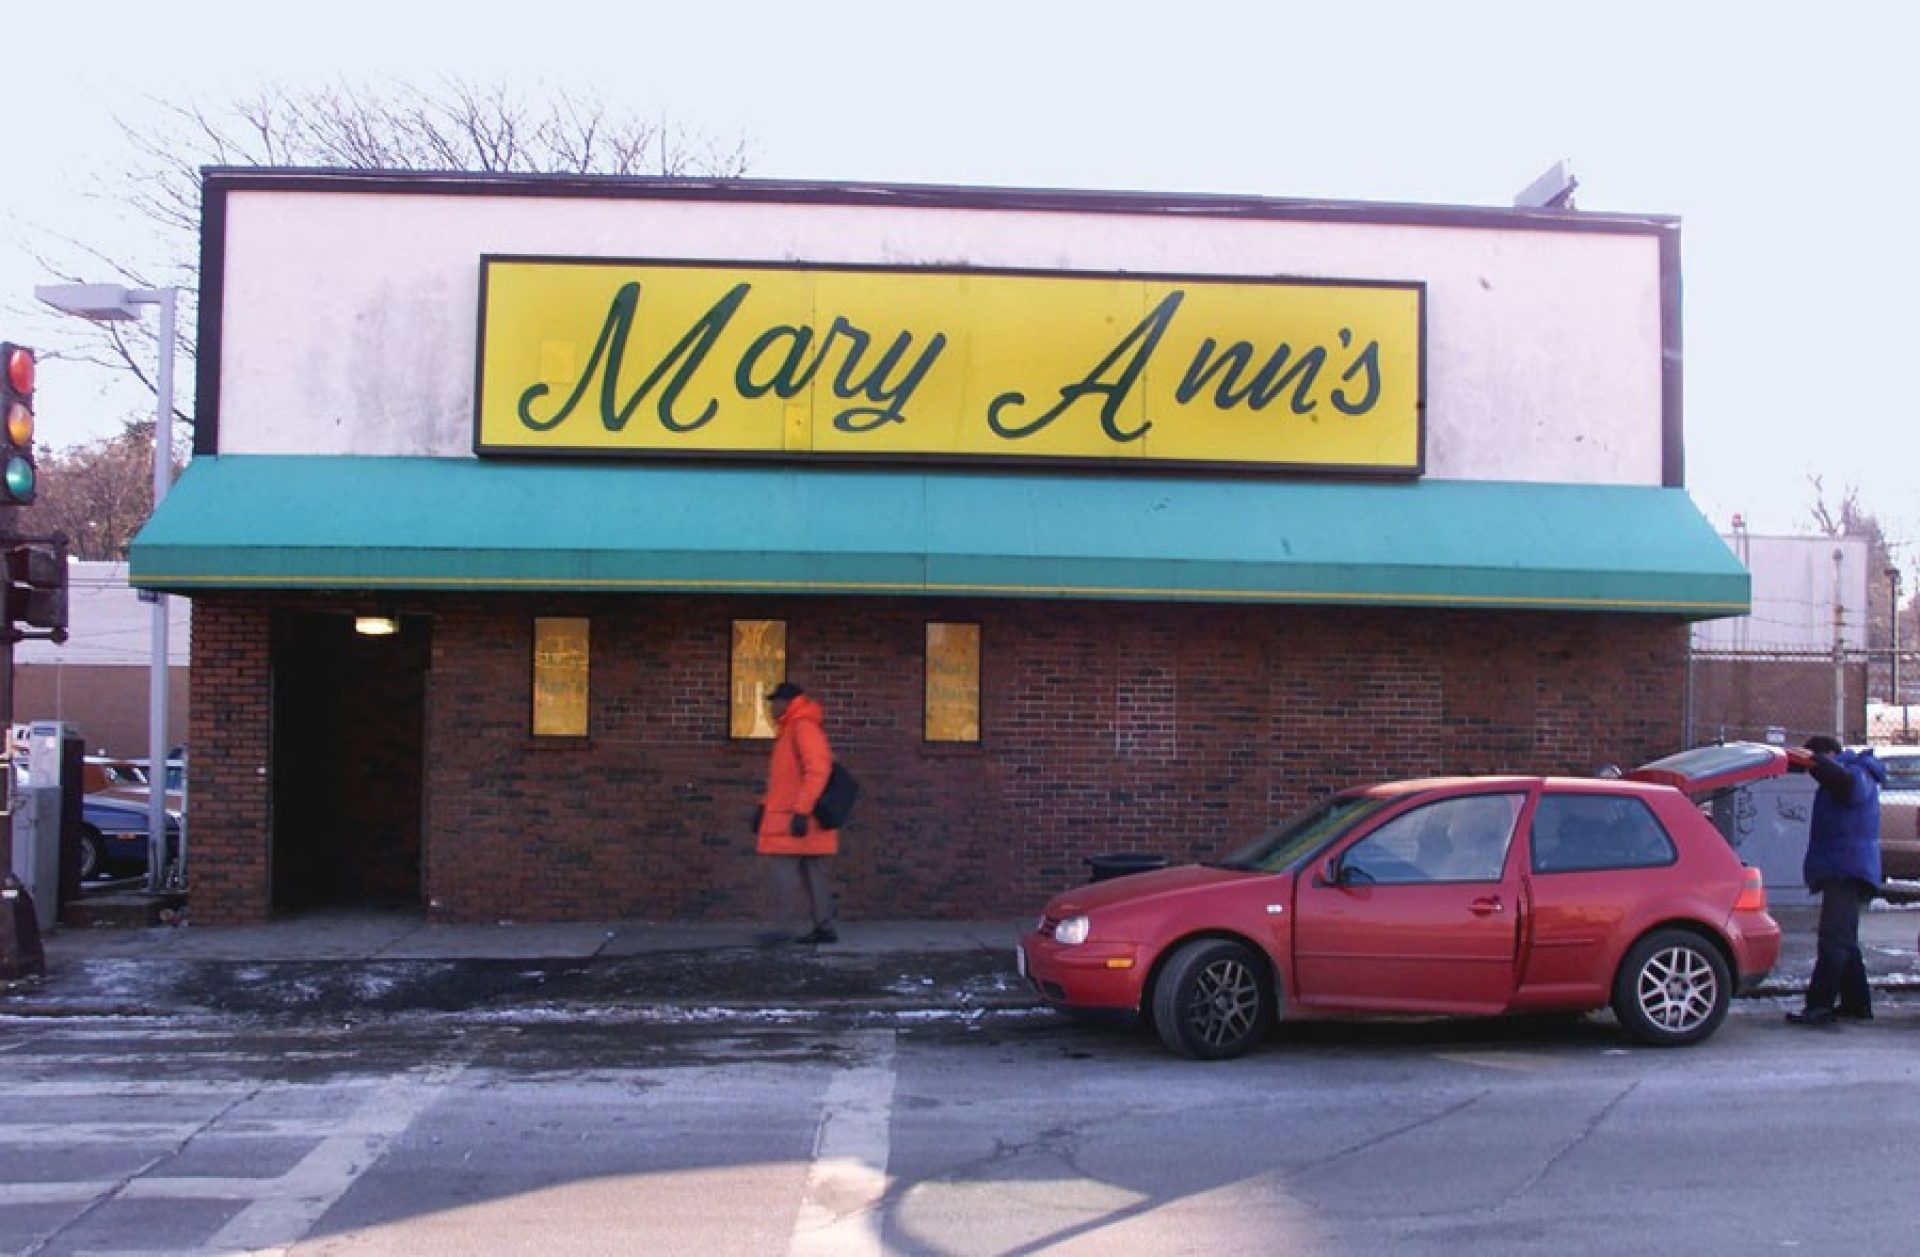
(1486, 907)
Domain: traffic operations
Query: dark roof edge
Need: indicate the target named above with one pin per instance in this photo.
(222, 179)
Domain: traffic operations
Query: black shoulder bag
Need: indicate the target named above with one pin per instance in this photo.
(836, 802)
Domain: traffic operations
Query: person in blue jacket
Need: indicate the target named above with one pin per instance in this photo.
(1843, 868)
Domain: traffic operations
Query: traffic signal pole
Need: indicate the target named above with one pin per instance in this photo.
(6, 709)
(17, 476)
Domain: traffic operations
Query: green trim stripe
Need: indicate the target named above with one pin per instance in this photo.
(288, 522)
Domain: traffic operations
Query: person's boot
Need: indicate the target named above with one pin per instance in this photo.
(1813, 1017)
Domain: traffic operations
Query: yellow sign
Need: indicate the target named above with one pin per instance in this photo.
(559, 677)
(759, 663)
(582, 357)
(953, 683)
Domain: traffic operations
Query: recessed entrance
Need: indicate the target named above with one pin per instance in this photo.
(349, 718)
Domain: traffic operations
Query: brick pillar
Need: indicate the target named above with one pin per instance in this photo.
(230, 877)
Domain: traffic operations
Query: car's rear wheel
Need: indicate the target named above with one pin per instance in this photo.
(1673, 989)
(92, 853)
(1213, 1001)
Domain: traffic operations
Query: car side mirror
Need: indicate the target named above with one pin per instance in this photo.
(1344, 874)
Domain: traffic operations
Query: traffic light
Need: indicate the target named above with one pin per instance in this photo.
(17, 473)
(36, 589)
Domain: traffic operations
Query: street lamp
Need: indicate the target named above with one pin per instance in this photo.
(110, 303)
(1893, 583)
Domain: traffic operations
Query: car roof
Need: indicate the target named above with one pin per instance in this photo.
(1421, 785)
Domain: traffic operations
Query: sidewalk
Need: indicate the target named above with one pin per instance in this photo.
(341, 964)
(347, 964)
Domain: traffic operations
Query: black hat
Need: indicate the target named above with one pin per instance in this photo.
(786, 689)
(1821, 744)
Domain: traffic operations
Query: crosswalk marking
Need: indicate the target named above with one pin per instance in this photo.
(283, 1211)
(839, 1211)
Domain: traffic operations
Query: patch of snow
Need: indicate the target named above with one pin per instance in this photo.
(372, 985)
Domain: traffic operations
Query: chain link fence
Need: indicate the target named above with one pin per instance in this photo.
(1785, 696)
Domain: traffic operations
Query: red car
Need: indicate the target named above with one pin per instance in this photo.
(1466, 896)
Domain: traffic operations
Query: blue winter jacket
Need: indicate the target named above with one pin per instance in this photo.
(1844, 841)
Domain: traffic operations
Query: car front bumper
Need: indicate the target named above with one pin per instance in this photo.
(1092, 975)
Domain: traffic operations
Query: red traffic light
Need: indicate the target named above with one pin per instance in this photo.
(20, 368)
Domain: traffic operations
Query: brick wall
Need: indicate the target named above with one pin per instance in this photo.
(227, 743)
(1106, 727)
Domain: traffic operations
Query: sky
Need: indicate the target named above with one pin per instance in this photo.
(1780, 136)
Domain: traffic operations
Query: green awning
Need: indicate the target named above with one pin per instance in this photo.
(306, 522)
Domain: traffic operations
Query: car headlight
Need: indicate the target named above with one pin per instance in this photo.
(1072, 932)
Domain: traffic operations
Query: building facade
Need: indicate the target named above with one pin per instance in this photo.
(99, 681)
(1096, 522)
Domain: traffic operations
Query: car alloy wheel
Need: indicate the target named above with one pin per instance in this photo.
(1672, 990)
(89, 854)
(1211, 1001)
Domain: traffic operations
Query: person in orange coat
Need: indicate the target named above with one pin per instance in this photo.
(796, 847)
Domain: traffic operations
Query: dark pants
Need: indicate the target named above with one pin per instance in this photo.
(1839, 971)
(802, 891)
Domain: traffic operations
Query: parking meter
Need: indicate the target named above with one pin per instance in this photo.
(46, 818)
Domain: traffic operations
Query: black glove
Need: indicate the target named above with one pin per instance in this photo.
(797, 825)
(759, 814)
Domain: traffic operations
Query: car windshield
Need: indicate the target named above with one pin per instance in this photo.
(1903, 772)
(1304, 833)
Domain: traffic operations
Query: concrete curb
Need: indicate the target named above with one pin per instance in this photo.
(890, 987)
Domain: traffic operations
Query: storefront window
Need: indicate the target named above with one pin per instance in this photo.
(759, 664)
(560, 677)
(953, 683)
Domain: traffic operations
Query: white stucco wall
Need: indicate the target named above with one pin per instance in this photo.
(349, 319)
(1798, 585)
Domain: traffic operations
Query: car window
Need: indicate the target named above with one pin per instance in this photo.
(1461, 839)
(1580, 832)
(1903, 772)
(1304, 833)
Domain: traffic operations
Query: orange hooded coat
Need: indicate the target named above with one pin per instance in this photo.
(797, 773)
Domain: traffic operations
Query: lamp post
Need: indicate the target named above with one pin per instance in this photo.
(111, 303)
(1893, 584)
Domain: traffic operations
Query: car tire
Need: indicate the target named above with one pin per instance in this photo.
(1672, 989)
(92, 853)
(1214, 1000)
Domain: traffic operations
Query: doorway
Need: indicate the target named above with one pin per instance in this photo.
(348, 762)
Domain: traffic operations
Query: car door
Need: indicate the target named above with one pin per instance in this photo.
(1596, 856)
(1421, 913)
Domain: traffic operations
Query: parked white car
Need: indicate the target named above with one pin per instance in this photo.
(1900, 813)
(1903, 767)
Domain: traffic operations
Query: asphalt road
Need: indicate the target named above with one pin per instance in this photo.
(1007, 1134)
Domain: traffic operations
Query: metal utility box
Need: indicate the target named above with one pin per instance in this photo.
(1767, 823)
(46, 818)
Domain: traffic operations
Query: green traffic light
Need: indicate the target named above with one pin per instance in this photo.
(19, 479)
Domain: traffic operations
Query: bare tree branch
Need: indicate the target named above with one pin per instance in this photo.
(450, 125)
(97, 494)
